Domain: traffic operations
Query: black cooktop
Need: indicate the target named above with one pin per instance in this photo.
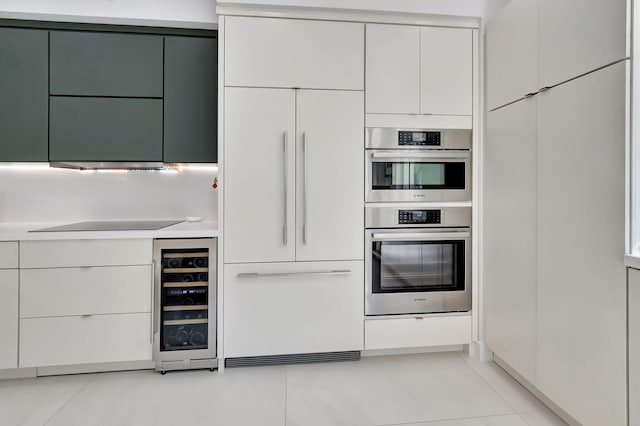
(112, 225)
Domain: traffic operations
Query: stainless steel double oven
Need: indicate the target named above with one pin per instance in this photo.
(418, 220)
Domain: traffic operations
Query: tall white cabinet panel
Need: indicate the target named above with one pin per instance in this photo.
(293, 308)
(259, 175)
(9, 318)
(330, 175)
(634, 346)
(446, 68)
(512, 53)
(577, 36)
(321, 182)
(510, 235)
(581, 224)
(266, 52)
(393, 69)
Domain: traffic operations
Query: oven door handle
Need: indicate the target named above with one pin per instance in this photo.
(420, 236)
(413, 154)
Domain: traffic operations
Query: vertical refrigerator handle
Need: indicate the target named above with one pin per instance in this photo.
(285, 147)
(305, 188)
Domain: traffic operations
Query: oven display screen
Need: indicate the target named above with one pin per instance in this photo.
(409, 217)
(418, 138)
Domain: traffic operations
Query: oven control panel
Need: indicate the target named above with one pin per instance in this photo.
(418, 138)
(418, 217)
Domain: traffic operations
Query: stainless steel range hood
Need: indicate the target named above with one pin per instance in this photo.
(111, 165)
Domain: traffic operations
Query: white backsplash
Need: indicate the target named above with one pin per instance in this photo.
(40, 194)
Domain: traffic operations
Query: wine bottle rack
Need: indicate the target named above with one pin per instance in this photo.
(184, 299)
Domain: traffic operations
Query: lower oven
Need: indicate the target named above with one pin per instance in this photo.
(417, 260)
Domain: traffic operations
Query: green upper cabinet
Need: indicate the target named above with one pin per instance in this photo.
(24, 95)
(105, 64)
(105, 129)
(190, 100)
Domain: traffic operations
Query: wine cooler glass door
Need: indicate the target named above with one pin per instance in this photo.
(184, 303)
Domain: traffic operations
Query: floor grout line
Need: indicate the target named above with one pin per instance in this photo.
(93, 376)
(519, 413)
(449, 419)
(286, 384)
(487, 383)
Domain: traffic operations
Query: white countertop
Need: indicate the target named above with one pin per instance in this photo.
(20, 232)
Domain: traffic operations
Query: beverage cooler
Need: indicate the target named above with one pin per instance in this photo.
(184, 330)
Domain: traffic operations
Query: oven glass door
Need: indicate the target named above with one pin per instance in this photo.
(418, 174)
(417, 266)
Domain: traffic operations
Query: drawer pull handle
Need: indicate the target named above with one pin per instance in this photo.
(291, 274)
(86, 316)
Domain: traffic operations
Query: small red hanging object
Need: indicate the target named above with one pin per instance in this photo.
(215, 183)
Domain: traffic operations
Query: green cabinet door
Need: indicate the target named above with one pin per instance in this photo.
(190, 100)
(105, 129)
(106, 64)
(24, 94)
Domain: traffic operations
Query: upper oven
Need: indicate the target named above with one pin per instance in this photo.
(417, 165)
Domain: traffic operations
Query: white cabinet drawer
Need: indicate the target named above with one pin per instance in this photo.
(9, 318)
(8, 255)
(80, 291)
(266, 52)
(84, 340)
(291, 308)
(70, 253)
(417, 332)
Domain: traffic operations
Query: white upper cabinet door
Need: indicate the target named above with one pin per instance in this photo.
(512, 53)
(267, 52)
(9, 318)
(581, 242)
(393, 69)
(510, 215)
(578, 36)
(446, 69)
(259, 175)
(330, 181)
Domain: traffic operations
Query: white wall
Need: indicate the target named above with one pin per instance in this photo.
(172, 13)
(492, 7)
(39, 194)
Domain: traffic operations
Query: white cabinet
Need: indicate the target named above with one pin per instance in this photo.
(259, 175)
(446, 71)
(634, 346)
(533, 44)
(79, 253)
(8, 255)
(291, 308)
(266, 52)
(581, 317)
(78, 291)
(85, 301)
(393, 69)
(9, 304)
(510, 216)
(304, 150)
(9, 318)
(512, 53)
(415, 332)
(578, 36)
(84, 340)
(419, 70)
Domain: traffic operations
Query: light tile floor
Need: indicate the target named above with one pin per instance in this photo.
(439, 389)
